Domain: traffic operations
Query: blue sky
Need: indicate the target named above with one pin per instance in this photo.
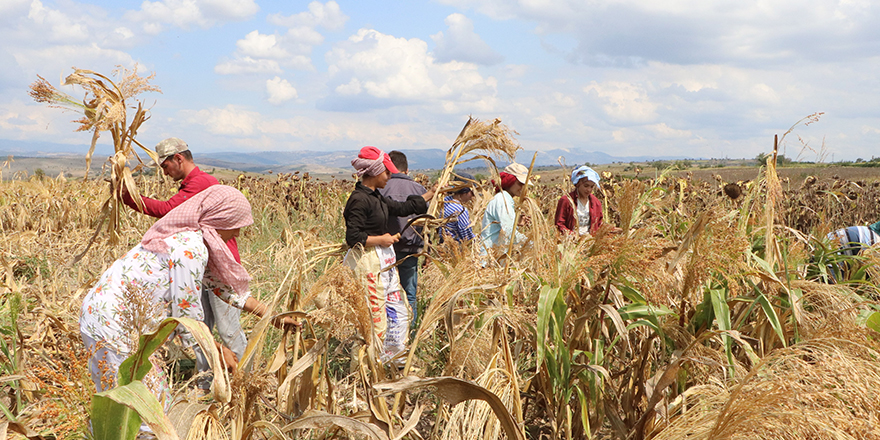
(664, 78)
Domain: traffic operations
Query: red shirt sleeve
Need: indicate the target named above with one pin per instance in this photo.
(195, 182)
(563, 212)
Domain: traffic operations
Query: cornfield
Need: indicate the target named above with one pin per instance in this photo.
(703, 317)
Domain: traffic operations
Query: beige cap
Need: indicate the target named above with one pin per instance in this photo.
(169, 147)
(519, 171)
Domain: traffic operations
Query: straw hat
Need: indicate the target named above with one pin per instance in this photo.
(519, 171)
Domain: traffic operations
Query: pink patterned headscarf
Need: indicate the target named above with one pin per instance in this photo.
(372, 161)
(216, 207)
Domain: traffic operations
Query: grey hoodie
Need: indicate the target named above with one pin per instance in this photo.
(398, 188)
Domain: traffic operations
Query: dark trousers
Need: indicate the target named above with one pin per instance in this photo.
(408, 270)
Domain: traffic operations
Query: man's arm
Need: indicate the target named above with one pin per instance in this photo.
(158, 208)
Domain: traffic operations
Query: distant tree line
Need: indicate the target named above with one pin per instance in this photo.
(873, 162)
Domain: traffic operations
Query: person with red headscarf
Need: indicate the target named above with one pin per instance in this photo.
(500, 215)
(372, 253)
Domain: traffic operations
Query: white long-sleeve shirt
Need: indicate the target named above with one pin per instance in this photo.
(498, 222)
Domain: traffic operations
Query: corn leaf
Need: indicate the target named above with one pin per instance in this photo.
(722, 318)
(873, 321)
(117, 413)
(319, 420)
(546, 299)
(455, 391)
(770, 312)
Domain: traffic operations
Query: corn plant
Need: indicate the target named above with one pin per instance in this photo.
(117, 413)
(104, 108)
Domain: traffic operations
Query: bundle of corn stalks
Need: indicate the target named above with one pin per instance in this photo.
(483, 139)
(104, 109)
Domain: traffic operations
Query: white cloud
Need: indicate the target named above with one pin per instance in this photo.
(385, 70)
(257, 45)
(548, 121)
(563, 100)
(22, 121)
(44, 38)
(61, 27)
(664, 131)
(229, 9)
(230, 120)
(62, 57)
(328, 15)
(247, 65)
(122, 33)
(238, 126)
(184, 14)
(764, 93)
(873, 131)
(629, 32)
(280, 90)
(623, 102)
(461, 43)
(292, 49)
(302, 39)
(9, 8)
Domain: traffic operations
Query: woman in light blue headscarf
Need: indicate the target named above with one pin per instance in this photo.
(580, 211)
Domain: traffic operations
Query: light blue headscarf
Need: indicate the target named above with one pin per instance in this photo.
(584, 171)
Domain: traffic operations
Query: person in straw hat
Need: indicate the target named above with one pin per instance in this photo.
(580, 211)
(459, 226)
(499, 217)
(164, 274)
(372, 253)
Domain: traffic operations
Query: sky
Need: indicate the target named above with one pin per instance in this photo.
(690, 78)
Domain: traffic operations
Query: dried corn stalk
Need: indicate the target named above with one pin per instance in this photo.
(104, 108)
(483, 139)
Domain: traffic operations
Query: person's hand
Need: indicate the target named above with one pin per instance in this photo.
(388, 239)
(525, 221)
(382, 240)
(227, 357)
(286, 323)
(430, 194)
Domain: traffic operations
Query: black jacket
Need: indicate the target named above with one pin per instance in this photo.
(366, 213)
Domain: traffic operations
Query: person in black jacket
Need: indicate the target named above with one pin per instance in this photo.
(366, 232)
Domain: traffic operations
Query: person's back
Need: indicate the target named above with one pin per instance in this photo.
(398, 188)
(853, 239)
(498, 223)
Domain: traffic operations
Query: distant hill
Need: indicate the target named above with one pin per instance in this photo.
(430, 159)
(54, 158)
